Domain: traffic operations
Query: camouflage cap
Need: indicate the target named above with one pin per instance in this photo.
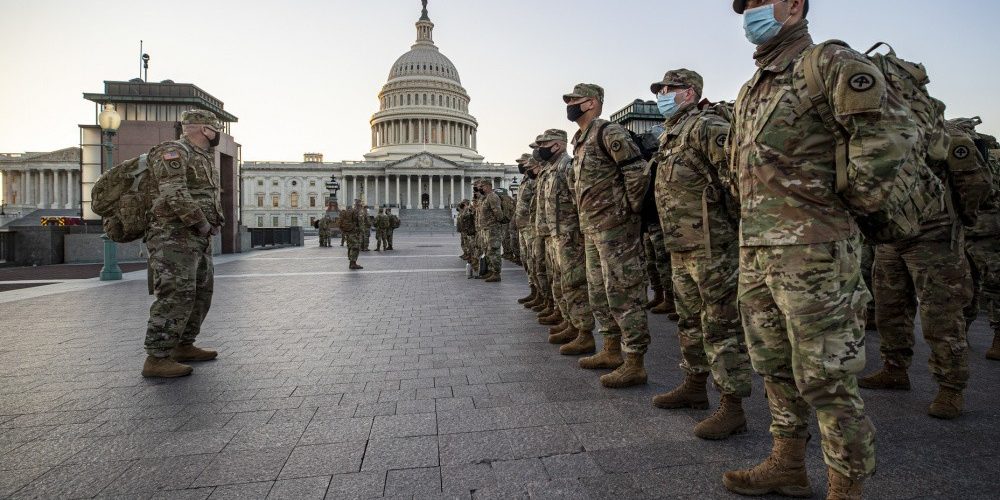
(741, 5)
(552, 134)
(200, 117)
(679, 78)
(524, 158)
(585, 90)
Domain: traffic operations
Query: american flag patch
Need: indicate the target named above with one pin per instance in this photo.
(171, 155)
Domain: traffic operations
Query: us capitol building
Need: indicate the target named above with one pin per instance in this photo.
(423, 150)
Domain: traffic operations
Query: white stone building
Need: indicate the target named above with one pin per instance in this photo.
(423, 150)
(33, 181)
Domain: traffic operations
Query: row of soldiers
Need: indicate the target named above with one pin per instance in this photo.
(483, 224)
(764, 208)
(385, 224)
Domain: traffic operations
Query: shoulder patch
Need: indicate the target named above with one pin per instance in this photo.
(961, 152)
(861, 82)
(616, 145)
(171, 155)
(720, 140)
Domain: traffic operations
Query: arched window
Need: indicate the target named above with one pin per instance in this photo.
(294, 199)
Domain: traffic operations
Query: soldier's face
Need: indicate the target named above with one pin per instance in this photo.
(783, 9)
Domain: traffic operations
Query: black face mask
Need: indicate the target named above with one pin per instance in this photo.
(520, 169)
(530, 174)
(214, 142)
(543, 154)
(574, 112)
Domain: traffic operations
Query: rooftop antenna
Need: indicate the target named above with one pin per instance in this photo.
(140, 58)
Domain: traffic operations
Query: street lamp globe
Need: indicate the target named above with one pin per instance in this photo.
(513, 187)
(109, 119)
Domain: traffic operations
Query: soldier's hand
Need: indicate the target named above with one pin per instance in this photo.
(204, 229)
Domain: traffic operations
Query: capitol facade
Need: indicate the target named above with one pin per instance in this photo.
(423, 150)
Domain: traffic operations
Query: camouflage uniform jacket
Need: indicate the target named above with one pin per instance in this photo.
(382, 222)
(525, 201)
(599, 180)
(369, 220)
(364, 222)
(488, 212)
(783, 155)
(560, 208)
(544, 226)
(688, 185)
(188, 185)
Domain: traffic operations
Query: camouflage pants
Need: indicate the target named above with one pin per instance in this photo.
(538, 260)
(709, 329)
(803, 314)
(181, 263)
(324, 238)
(984, 258)
(657, 260)
(476, 252)
(515, 241)
(526, 259)
(570, 257)
(867, 265)
(490, 240)
(466, 245)
(366, 239)
(554, 274)
(505, 240)
(937, 277)
(388, 236)
(380, 239)
(353, 245)
(616, 281)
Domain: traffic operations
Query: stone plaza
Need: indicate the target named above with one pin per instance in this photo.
(405, 380)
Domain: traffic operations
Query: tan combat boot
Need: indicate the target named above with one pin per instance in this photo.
(783, 472)
(354, 265)
(690, 394)
(841, 487)
(657, 299)
(164, 368)
(994, 352)
(560, 327)
(582, 344)
(632, 372)
(542, 306)
(564, 337)
(189, 352)
(609, 358)
(493, 278)
(529, 298)
(552, 319)
(947, 405)
(890, 377)
(727, 420)
(536, 299)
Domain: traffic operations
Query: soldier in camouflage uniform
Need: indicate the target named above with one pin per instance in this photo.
(982, 245)
(324, 231)
(354, 237)
(381, 228)
(609, 179)
(544, 231)
(185, 214)
(490, 230)
(463, 207)
(393, 223)
(522, 220)
(366, 237)
(659, 272)
(539, 267)
(801, 294)
(565, 245)
(700, 234)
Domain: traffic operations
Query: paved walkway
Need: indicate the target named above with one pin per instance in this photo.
(404, 380)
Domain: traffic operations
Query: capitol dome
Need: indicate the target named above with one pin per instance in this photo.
(423, 106)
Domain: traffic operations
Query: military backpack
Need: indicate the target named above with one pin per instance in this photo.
(968, 147)
(123, 197)
(347, 221)
(394, 221)
(913, 191)
(507, 206)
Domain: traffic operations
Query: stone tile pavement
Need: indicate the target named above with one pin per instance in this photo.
(402, 381)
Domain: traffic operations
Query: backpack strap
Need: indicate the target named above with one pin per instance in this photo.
(607, 154)
(140, 170)
(816, 93)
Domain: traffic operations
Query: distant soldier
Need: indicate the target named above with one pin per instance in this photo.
(697, 218)
(324, 231)
(461, 225)
(610, 178)
(366, 235)
(352, 224)
(381, 230)
(544, 230)
(185, 215)
(522, 221)
(489, 224)
(394, 224)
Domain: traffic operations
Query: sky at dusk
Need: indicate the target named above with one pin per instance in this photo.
(303, 75)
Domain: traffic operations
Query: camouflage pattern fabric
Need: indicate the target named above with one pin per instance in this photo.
(785, 158)
(355, 239)
(935, 275)
(324, 232)
(709, 329)
(382, 227)
(554, 274)
(366, 236)
(867, 266)
(490, 230)
(657, 260)
(984, 257)
(394, 222)
(573, 280)
(803, 316)
(188, 185)
(616, 281)
(181, 262)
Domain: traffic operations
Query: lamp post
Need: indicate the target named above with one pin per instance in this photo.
(109, 121)
(513, 188)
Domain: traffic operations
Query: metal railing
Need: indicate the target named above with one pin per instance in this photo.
(263, 237)
(6, 246)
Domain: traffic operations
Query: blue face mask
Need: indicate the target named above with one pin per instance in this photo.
(760, 24)
(667, 104)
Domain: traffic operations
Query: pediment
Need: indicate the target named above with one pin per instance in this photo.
(423, 161)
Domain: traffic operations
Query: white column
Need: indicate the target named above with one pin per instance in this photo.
(399, 203)
(354, 189)
(409, 193)
(56, 190)
(386, 199)
(452, 180)
(43, 196)
(430, 191)
(25, 188)
(73, 188)
(3, 186)
(441, 200)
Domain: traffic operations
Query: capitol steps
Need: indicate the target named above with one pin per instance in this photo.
(426, 221)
